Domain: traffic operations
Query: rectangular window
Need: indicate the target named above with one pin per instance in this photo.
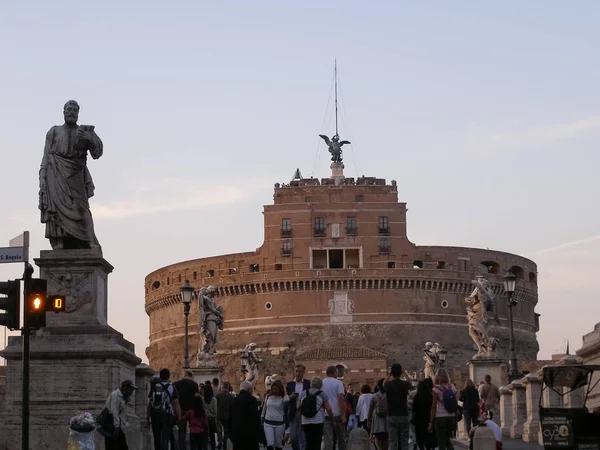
(391, 264)
(336, 259)
(254, 268)
(358, 198)
(278, 266)
(308, 199)
(384, 244)
(463, 264)
(210, 273)
(286, 249)
(319, 226)
(383, 225)
(351, 226)
(319, 259)
(195, 275)
(286, 227)
(232, 271)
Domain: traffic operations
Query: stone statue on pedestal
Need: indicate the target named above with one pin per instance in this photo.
(211, 321)
(335, 147)
(250, 363)
(480, 304)
(66, 184)
(269, 380)
(432, 359)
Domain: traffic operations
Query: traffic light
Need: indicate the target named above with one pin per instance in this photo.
(36, 303)
(57, 303)
(11, 304)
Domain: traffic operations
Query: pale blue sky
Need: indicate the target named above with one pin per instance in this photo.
(488, 116)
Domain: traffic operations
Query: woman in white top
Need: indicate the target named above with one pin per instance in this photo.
(362, 407)
(313, 426)
(273, 415)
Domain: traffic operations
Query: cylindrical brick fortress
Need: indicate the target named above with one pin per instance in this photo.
(337, 270)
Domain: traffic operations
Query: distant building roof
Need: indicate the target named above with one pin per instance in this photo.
(340, 353)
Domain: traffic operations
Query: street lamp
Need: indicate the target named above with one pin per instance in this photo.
(510, 281)
(186, 297)
(442, 355)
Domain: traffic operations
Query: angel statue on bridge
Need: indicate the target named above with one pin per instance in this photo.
(211, 321)
(335, 147)
(480, 305)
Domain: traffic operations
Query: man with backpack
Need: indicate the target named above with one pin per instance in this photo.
(313, 404)
(186, 389)
(163, 410)
(398, 421)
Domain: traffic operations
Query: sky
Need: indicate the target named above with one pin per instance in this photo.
(487, 115)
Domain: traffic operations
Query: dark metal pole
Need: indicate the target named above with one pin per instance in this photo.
(25, 336)
(186, 360)
(514, 370)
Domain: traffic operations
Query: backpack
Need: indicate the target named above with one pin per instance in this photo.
(308, 407)
(449, 400)
(158, 398)
(382, 405)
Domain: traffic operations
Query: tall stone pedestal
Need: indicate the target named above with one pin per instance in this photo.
(202, 374)
(337, 172)
(75, 362)
(479, 368)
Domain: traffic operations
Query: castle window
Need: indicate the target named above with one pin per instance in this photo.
(278, 266)
(384, 225)
(232, 271)
(391, 264)
(384, 244)
(358, 198)
(532, 278)
(308, 199)
(351, 226)
(155, 285)
(319, 226)
(195, 275)
(518, 271)
(286, 248)
(489, 267)
(336, 259)
(339, 371)
(210, 273)
(417, 264)
(254, 268)
(286, 227)
(440, 264)
(179, 278)
(168, 281)
(463, 264)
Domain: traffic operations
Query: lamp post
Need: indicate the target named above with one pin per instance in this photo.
(510, 281)
(442, 355)
(186, 297)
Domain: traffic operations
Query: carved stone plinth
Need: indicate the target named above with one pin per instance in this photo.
(203, 374)
(337, 172)
(519, 406)
(479, 368)
(506, 411)
(533, 390)
(82, 277)
(75, 362)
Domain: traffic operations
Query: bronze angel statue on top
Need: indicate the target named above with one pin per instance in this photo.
(335, 147)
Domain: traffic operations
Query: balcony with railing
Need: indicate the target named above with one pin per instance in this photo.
(351, 231)
(286, 252)
(384, 250)
(384, 231)
(286, 232)
(319, 232)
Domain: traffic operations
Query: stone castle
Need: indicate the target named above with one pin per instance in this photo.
(337, 271)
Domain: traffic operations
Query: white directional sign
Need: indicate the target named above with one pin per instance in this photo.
(12, 254)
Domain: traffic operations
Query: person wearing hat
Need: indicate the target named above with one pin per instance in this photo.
(117, 406)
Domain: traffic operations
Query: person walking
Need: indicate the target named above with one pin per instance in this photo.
(363, 405)
(224, 405)
(211, 407)
(187, 389)
(396, 391)
(421, 413)
(294, 389)
(198, 423)
(333, 426)
(490, 396)
(163, 410)
(378, 412)
(442, 417)
(274, 416)
(246, 429)
(312, 406)
(470, 405)
(116, 405)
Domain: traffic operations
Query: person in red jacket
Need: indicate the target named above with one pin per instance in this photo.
(198, 423)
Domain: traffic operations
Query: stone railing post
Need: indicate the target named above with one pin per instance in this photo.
(519, 406)
(143, 375)
(506, 411)
(533, 389)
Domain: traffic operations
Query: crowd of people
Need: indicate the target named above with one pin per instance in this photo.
(310, 414)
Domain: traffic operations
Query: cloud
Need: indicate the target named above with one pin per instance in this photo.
(173, 194)
(532, 137)
(565, 246)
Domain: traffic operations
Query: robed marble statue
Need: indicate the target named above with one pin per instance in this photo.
(481, 306)
(211, 321)
(66, 184)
